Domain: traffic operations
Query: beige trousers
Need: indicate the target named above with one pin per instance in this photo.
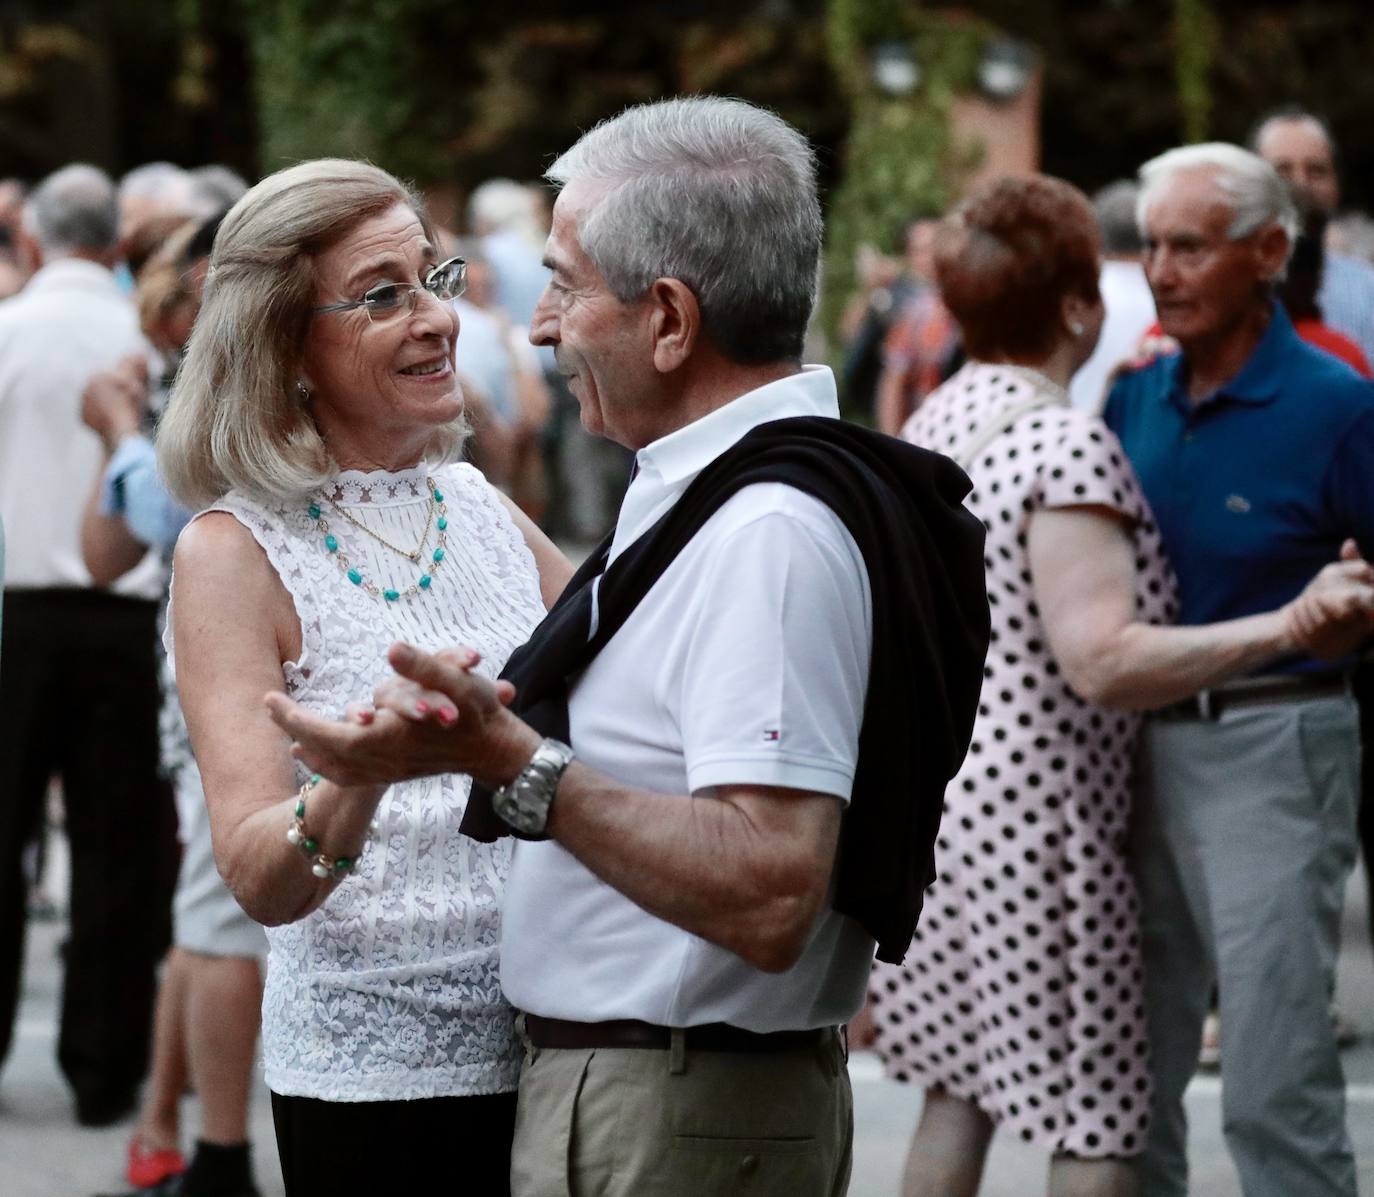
(635, 1122)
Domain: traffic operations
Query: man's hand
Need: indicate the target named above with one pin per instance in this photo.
(1334, 614)
(114, 400)
(436, 717)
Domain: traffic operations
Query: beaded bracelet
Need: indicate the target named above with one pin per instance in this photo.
(321, 865)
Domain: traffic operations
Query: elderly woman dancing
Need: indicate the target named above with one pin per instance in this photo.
(1022, 1002)
(316, 416)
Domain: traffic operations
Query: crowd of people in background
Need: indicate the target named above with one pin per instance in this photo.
(1160, 398)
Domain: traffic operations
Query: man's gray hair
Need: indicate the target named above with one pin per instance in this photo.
(1115, 209)
(164, 182)
(504, 205)
(1257, 195)
(718, 194)
(73, 211)
(217, 187)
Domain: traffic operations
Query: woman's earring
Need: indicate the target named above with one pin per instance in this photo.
(1076, 328)
(302, 392)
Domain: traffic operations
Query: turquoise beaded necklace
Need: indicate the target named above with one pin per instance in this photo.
(438, 517)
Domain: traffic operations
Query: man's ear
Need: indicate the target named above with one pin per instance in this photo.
(1271, 249)
(674, 323)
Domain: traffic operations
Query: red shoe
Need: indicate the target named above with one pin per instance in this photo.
(149, 1168)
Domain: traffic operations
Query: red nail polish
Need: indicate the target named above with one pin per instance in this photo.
(447, 717)
(422, 708)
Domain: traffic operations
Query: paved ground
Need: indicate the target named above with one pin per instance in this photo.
(44, 1154)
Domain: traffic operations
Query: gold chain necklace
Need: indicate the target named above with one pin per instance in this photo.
(410, 555)
(355, 575)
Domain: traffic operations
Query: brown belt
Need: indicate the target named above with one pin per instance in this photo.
(1256, 692)
(629, 1032)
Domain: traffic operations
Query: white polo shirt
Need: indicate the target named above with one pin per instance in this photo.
(746, 664)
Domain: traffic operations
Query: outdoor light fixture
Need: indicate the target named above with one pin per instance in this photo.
(894, 68)
(1005, 69)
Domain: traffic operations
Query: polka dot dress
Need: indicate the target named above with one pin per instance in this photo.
(1022, 990)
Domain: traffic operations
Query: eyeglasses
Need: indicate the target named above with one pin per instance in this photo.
(445, 282)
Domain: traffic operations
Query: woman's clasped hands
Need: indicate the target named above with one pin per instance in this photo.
(435, 716)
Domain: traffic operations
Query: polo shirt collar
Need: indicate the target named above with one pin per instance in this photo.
(1260, 379)
(682, 454)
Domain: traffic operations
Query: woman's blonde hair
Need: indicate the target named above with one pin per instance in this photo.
(162, 282)
(236, 419)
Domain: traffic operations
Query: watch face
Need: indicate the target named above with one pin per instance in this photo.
(521, 809)
(524, 803)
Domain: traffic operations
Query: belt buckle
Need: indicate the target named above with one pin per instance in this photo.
(1206, 708)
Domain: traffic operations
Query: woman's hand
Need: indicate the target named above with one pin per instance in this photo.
(1334, 614)
(862, 1031)
(436, 717)
(418, 704)
(114, 400)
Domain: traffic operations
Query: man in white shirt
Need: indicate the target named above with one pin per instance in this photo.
(79, 690)
(683, 931)
(1130, 307)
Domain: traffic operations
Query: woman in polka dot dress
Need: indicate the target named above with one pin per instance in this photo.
(1020, 1002)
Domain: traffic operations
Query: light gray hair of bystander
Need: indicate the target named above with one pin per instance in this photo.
(162, 181)
(217, 187)
(718, 194)
(237, 417)
(503, 204)
(164, 184)
(1114, 206)
(73, 211)
(1257, 195)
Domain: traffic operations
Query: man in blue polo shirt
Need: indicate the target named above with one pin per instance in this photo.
(1256, 452)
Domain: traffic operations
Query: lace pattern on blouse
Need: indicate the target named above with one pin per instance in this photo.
(390, 990)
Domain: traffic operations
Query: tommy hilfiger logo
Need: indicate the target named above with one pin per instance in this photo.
(1237, 503)
(771, 735)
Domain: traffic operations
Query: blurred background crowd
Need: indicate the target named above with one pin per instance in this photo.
(176, 109)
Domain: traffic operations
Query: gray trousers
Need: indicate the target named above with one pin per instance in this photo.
(635, 1122)
(1244, 837)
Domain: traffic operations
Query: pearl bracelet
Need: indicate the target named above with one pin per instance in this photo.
(321, 865)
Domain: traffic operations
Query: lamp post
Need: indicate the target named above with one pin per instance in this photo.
(1006, 69)
(894, 69)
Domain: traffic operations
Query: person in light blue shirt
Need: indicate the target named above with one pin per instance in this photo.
(130, 488)
(1256, 454)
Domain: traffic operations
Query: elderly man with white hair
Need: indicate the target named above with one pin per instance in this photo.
(79, 689)
(1256, 452)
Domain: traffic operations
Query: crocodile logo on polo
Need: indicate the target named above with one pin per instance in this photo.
(1237, 503)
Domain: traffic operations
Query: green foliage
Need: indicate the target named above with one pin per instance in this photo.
(338, 77)
(900, 162)
(1196, 34)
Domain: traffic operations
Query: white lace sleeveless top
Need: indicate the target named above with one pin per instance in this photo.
(391, 990)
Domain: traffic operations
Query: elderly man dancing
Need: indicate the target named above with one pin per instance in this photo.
(710, 754)
(1256, 452)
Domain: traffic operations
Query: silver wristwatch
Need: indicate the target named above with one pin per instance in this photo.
(524, 802)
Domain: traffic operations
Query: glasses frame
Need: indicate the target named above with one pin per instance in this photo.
(413, 292)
